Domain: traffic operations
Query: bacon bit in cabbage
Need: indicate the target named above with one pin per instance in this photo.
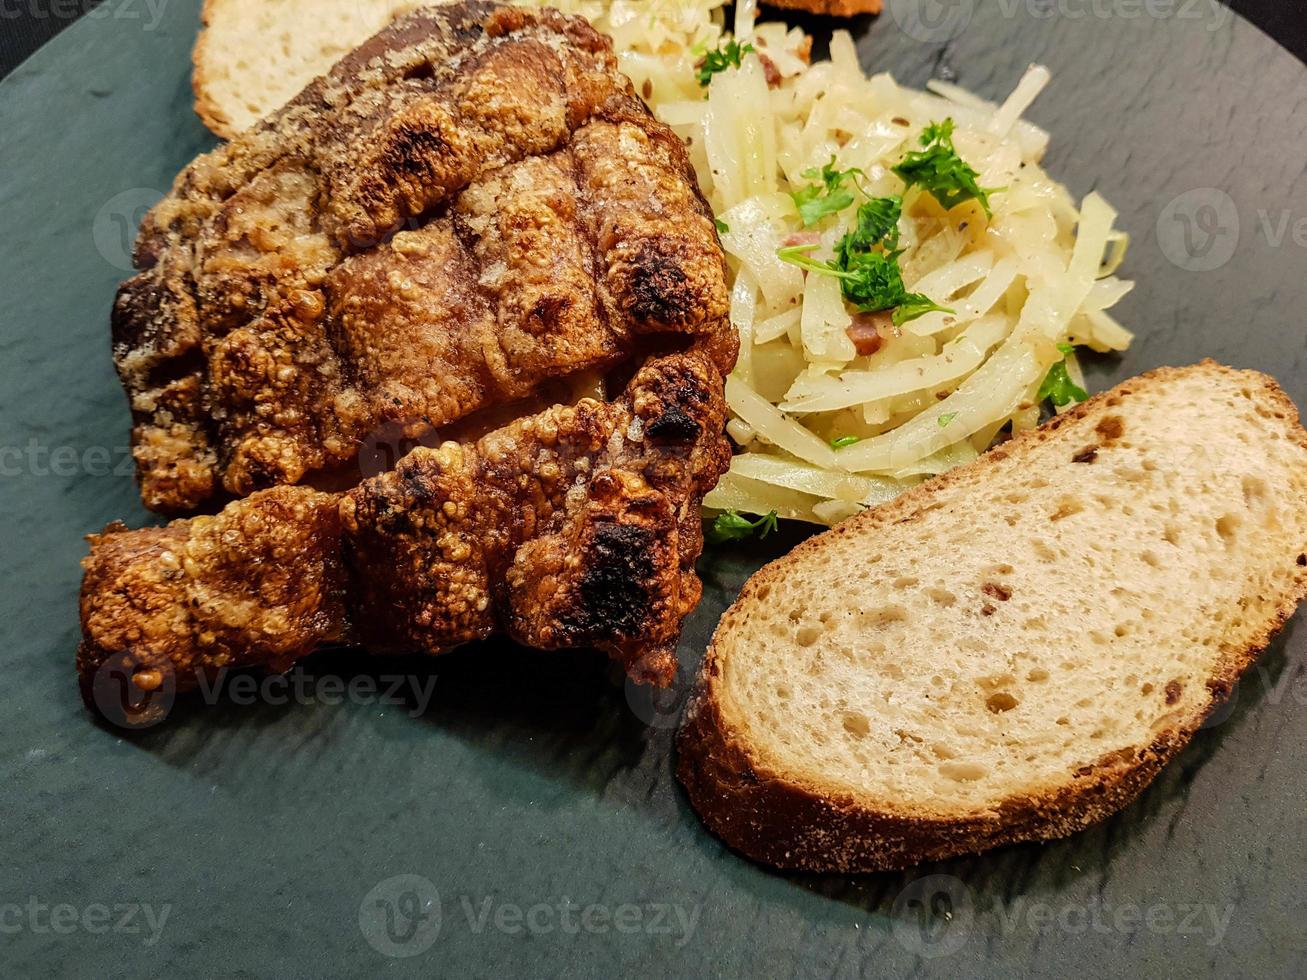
(801, 238)
(869, 330)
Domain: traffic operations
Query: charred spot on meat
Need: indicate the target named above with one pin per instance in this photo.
(399, 271)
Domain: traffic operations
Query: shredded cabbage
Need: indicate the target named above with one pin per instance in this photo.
(923, 397)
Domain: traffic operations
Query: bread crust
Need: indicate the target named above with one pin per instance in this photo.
(206, 106)
(830, 8)
(782, 821)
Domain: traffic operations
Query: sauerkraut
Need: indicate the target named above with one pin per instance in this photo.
(822, 429)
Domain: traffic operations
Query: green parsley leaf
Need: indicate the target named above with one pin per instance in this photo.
(939, 170)
(727, 56)
(1057, 386)
(946, 419)
(828, 196)
(867, 264)
(722, 227)
(877, 224)
(913, 305)
(731, 526)
(841, 441)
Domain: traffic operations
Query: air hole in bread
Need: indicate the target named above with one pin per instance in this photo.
(1171, 533)
(1111, 427)
(1227, 526)
(1037, 674)
(1000, 702)
(905, 582)
(807, 636)
(963, 772)
(1150, 558)
(943, 596)
(1068, 506)
(857, 724)
(881, 617)
(1128, 474)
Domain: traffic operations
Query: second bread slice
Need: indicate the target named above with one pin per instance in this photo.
(1012, 651)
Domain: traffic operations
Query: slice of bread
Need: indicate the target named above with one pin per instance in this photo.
(831, 8)
(1013, 650)
(253, 56)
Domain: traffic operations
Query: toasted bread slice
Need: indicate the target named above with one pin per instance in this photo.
(1012, 651)
(831, 8)
(253, 56)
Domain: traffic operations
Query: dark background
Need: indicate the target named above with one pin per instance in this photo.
(27, 24)
(268, 829)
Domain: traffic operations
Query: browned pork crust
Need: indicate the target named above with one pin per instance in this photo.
(471, 203)
(576, 527)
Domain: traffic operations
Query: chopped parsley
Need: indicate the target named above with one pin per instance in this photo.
(939, 170)
(722, 227)
(867, 264)
(731, 526)
(1058, 386)
(946, 419)
(828, 195)
(877, 224)
(727, 56)
(841, 441)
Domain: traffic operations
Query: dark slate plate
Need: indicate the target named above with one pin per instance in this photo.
(532, 802)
